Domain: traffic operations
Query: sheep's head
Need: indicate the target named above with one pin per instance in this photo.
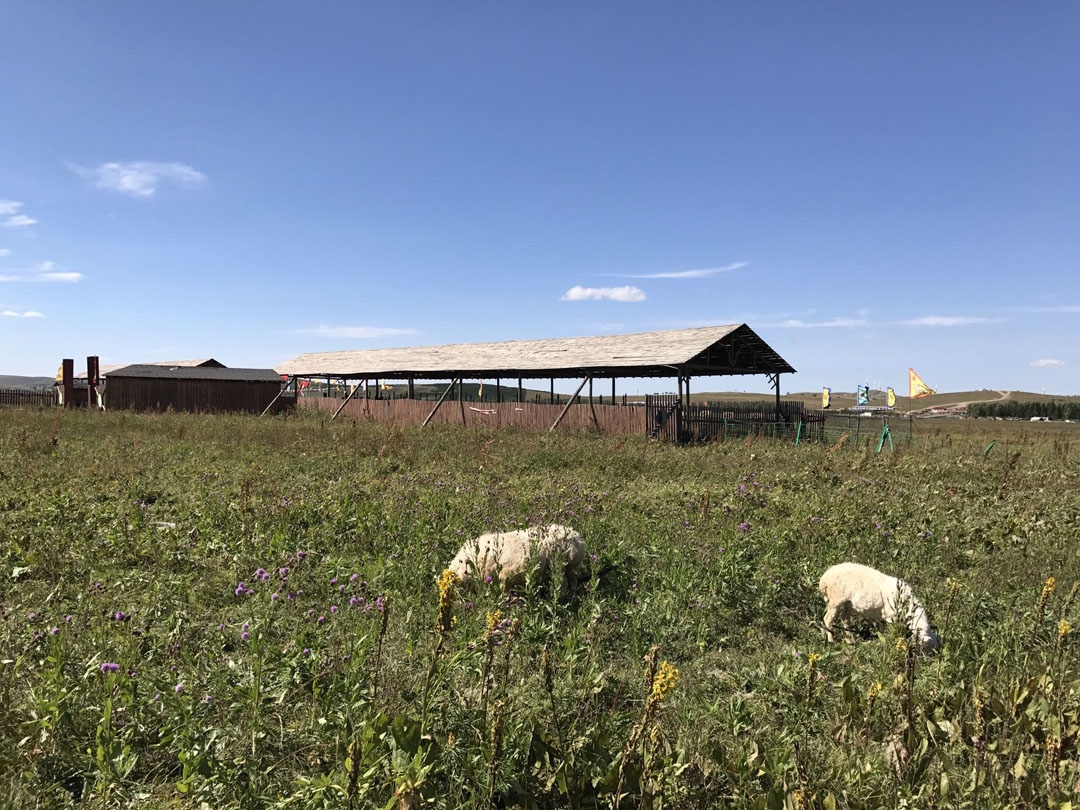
(921, 629)
(460, 565)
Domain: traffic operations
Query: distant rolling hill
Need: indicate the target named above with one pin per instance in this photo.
(842, 399)
(16, 381)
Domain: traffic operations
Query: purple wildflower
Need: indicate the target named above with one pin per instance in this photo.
(179, 689)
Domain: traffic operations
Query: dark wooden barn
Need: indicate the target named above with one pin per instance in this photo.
(202, 389)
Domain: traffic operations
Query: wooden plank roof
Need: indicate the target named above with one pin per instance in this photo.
(160, 372)
(708, 350)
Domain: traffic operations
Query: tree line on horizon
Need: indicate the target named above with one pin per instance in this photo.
(1012, 409)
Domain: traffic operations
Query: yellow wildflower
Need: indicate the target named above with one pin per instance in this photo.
(447, 584)
(666, 678)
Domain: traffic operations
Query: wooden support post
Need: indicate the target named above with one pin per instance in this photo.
(498, 390)
(688, 391)
(93, 400)
(445, 393)
(289, 382)
(569, 402)
(776, 382)
(68, 382)
(552, 400)
(590, 390)
(679, 385)
(344, 402)
(613, 390)
(521, 391)
(412, 388)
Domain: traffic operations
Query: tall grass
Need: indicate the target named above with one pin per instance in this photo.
(195, 613)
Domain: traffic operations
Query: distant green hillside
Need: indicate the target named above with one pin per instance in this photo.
(16, 381)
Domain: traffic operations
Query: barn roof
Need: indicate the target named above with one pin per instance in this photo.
(731, 349)
(104, 371)
(159, 372)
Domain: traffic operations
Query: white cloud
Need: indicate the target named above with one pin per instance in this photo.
(30, 313)
(355, 331)
(945, 320)
(5, 251)
(141, 178)
(10, 216)
(1047, 363)
(702, 273)
(41, 272)
(835, 323)
(624, 294)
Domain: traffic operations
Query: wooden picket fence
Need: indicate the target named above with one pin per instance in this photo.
(23, 398)
(615, 420)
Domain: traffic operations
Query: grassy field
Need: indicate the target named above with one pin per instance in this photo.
(215, 612)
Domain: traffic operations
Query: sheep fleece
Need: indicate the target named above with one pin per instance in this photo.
(509, 555)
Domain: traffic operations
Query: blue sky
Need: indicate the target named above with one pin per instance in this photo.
(874, 186)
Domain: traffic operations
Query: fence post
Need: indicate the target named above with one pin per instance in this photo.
(798, 433)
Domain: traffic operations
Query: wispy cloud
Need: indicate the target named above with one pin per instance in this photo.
(43, 272)
(1047, 363)
(704, 272)
(355, 331)
(30, 313)
(1062, 308)
(623, 294)
(10, 216)
(947, 320)
(835, 323)
(141, 178)
(5, 251)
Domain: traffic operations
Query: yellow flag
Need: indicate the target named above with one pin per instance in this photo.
(916, 387)
(60, 373)
(826, 397)
(892, 398)
(480, 390)
(385, 385)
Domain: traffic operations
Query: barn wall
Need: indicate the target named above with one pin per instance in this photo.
(616, 420)
(158, 394)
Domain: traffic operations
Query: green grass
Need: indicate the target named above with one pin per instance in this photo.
(716, 549)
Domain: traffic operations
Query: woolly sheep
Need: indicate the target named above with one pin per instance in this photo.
(509, 555)
(850, 588)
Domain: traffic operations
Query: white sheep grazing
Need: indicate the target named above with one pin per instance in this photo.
(850, 588)
(509, 555)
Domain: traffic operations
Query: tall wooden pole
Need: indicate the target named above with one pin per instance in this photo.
(68, 382)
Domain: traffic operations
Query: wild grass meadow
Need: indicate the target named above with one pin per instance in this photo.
(220, 612)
